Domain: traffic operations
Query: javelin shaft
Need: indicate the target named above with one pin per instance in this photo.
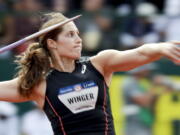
(35, 35)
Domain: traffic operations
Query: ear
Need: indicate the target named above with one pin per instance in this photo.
(51, 43)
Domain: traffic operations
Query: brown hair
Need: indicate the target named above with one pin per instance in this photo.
(35, 63)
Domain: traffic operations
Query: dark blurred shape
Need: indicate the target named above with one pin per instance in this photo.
(176, 127)
(97, 27)
(25, 20)
(60, 6)
(139, 29)
(105, 21)
(3, 117)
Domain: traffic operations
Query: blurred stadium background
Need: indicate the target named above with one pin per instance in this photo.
(105, 24)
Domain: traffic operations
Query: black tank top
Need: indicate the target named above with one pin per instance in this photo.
(78, 103)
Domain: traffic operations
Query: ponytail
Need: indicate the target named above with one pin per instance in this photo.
(33, 65)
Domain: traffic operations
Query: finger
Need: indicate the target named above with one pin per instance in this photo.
(177, 48)
(175, 42)
(176, 52)
(173, 57)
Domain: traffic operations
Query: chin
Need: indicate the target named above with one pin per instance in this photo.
(76, 57)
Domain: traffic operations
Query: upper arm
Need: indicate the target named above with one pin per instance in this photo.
(113, 60)
(9, 91)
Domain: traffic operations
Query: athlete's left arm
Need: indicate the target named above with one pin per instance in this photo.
(112, 60)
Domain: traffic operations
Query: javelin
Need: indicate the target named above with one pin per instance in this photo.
(35, 35)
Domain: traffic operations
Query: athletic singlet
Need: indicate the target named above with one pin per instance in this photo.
(78, 103)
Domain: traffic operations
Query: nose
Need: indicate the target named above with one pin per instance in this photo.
(78, 39)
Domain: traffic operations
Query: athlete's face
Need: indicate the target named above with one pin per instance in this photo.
(68, 43)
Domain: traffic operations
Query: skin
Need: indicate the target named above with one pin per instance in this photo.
(67, 49)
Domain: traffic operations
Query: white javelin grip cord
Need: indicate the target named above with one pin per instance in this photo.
(35, 35)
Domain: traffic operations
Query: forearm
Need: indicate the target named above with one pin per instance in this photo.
(150, 52)
(155, 51)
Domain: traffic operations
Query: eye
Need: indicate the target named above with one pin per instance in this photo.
(70, 34)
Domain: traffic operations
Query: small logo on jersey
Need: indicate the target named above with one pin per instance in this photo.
(83, 69)
(77, 87)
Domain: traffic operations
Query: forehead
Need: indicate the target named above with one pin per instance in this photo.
(70, 27)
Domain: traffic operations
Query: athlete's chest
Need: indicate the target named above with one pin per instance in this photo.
(76, 92)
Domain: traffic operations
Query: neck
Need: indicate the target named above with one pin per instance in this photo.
(64, 64)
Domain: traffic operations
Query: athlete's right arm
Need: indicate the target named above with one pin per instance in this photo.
(9, 91)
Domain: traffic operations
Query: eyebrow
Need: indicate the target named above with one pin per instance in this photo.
(74, 31)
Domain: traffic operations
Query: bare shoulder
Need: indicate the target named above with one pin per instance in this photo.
(103, 58)
(105, 54)
(95, 60)
(102, 55)
(99, 61)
